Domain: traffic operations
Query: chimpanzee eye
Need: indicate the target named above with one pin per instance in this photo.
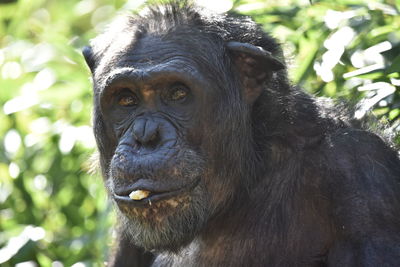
(177, 92)
(128, 100)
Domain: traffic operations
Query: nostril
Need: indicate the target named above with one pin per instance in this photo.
(153, 137)
(150, 144)
(137, 144)
(153, 141)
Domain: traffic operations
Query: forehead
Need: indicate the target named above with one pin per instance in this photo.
(151, 50)
(154, 51)
(174, 53)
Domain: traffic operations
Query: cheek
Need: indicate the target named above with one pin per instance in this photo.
(195, 133)
(121, 125)
(220, 190)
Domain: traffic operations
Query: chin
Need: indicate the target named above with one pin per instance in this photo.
(165, 224)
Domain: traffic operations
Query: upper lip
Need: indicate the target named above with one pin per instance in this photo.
(157, 190)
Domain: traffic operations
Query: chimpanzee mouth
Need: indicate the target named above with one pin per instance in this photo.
(145, 192)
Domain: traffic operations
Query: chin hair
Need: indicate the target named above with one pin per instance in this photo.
(176, 230)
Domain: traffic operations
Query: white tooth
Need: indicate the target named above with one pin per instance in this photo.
(139, 194)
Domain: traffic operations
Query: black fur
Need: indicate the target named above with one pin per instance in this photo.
(285, 179)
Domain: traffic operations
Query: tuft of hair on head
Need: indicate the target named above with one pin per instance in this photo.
(173, 3)
(165, 15)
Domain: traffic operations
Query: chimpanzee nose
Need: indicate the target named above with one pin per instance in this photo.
(145, 132)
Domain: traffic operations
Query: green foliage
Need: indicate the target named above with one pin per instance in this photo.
(342, 49)
(52, 212)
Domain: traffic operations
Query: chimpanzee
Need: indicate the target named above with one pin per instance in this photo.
(214, 159)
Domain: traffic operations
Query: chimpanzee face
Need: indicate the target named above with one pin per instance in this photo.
(171, 121)
(152, 99)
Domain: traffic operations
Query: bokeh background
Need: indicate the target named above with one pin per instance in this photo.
(52, 212)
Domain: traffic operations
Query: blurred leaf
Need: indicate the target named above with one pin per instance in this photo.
(395, 66)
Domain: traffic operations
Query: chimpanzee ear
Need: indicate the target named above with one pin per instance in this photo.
(255, 66)
(88, 54)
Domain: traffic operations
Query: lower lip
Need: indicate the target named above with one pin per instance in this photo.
(154, 198)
